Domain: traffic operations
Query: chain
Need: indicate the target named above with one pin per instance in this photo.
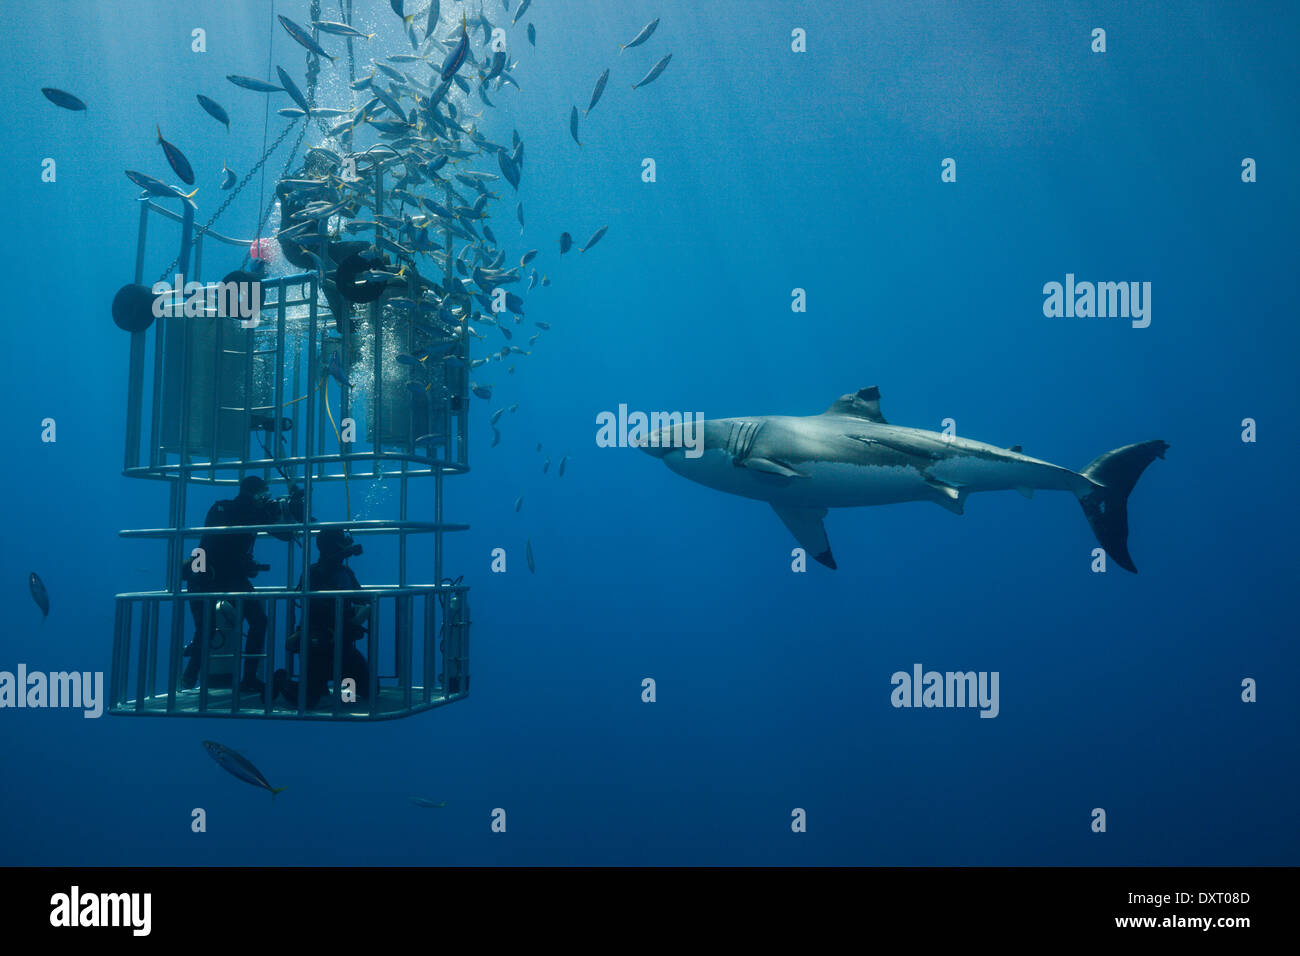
(200, 230)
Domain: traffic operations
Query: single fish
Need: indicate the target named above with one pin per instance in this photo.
(303, 38)
(566, 242)
(654, 72)
(239, 766)
(340, 29)
(156, 187)
(481, 391)
(595, 94)
(545, 326)
(227, 176)
(434, 13)
(256, 85)
(496, 438)
(595, 238)
(292, 112)
(562, 463)
(496, 416)
(519, 503)
(508, 169)
(519, 212)
(215, 110)
(62, 98)
(528, 554)
(527, 257)
(39, 594)
(532, 35)
(573, 126)
(520, 12)
(546, 465)
(545, 282)
(513, 408)
(425, 801)
(179, 164)
(641, 37)
(456, 58)
(539, 446)
(291, 88)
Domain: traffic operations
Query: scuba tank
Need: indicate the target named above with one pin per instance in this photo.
(224, 645)
(454, 643)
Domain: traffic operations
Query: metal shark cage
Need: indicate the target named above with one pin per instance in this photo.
(212, 399)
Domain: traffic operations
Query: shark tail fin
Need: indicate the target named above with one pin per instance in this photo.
(277, 790)
(1111, 478)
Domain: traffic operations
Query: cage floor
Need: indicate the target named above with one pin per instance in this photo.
(392, 702)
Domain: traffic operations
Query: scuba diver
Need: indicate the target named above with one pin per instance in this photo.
(229, 566)
(330, 573)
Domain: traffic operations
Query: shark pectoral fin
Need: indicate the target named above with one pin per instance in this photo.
(947, 496)
(806, 526)
(769, 467)
(1025, 490)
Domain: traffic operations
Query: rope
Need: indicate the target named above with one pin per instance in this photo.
(266, 112)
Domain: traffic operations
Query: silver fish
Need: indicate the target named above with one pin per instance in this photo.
(239, 766)
(303, 38)
(256, 85)
(595, 238)
(39, 594)
(528, 554)
(595, 94)
(214, 109)
(573, 126)
(654, 72)
(641, 37)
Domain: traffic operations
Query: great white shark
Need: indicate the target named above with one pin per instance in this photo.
(849, 456)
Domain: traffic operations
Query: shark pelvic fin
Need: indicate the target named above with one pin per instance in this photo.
(807, 527)
(947, 496)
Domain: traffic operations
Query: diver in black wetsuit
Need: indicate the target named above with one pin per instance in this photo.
(330, 573)
(230, 566)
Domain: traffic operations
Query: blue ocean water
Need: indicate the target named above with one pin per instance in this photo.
(776, 171)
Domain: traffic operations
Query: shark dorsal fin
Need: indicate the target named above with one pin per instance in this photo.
(864, 403)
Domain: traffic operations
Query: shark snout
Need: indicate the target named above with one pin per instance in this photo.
(658, 443)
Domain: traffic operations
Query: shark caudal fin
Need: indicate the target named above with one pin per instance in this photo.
(1105, 504)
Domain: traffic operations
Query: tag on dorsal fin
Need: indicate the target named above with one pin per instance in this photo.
(864, 403)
